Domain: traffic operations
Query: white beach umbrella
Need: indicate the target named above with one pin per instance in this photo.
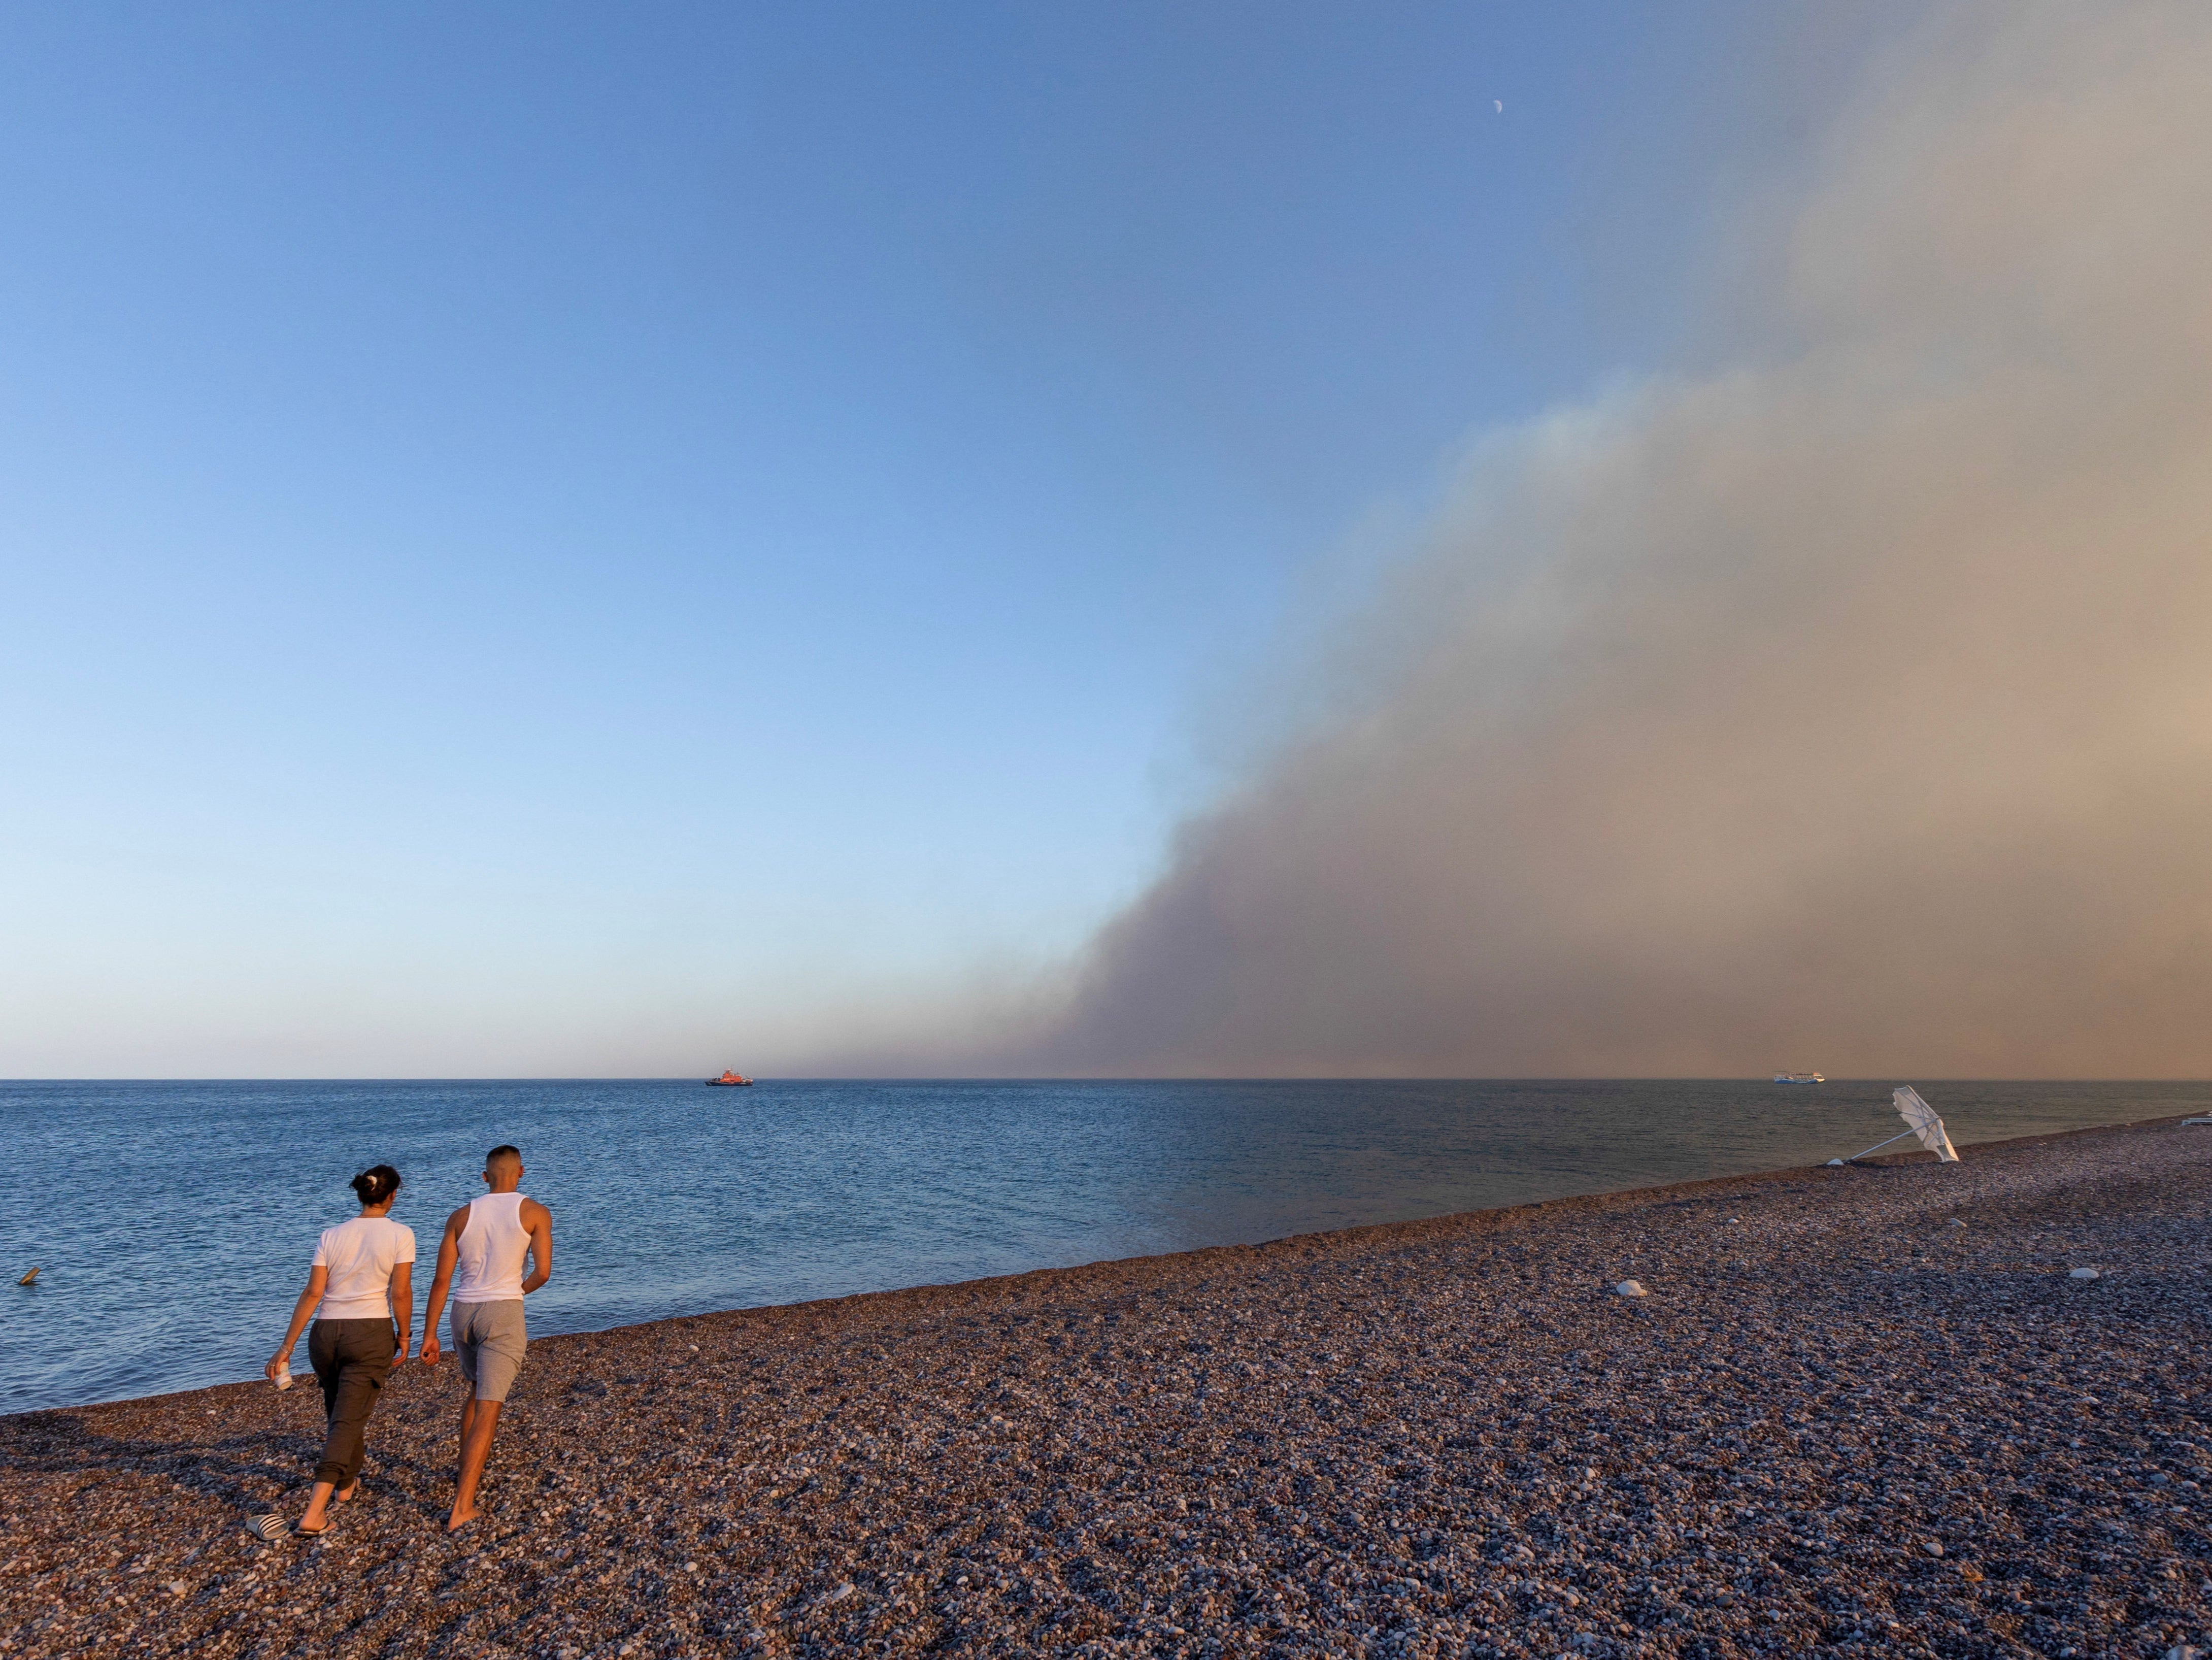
(1920, 1120)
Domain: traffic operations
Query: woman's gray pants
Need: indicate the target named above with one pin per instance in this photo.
(352, 1359)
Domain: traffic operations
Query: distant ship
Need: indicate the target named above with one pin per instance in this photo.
(1799, 1077)
(731, 1077)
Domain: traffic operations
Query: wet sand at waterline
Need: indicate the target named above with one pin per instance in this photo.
(1839, 1420)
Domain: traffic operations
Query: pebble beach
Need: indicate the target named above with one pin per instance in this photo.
(1865, 1409)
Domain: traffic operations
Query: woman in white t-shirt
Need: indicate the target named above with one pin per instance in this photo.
(363, 1280)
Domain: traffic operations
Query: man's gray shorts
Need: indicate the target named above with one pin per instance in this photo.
(487, 1340)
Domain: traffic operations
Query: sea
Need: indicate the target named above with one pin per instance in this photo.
(172, 1223)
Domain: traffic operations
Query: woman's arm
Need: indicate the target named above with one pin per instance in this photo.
(403, 1302)
(302, 1311)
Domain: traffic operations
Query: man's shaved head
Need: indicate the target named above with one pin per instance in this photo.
(503, 1154)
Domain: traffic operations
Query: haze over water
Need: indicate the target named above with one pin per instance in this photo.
(174, 1221)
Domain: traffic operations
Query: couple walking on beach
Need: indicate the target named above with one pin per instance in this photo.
(360, 1294)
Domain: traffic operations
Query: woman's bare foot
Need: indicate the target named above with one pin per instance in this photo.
(345, 1495)
(458, 1520)
(319, 1509)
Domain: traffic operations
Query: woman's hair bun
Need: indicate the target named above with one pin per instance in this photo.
(376, 1184)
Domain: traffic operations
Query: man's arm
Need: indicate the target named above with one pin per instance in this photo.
(539, 1221)
(317, 1277)
(449, 1252)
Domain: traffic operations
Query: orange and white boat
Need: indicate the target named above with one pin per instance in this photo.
(731, 1077)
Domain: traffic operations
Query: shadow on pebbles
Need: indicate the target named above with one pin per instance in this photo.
(1859, 1409)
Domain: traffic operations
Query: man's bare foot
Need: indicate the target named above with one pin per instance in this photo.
(345, 1495)
(456, 1521)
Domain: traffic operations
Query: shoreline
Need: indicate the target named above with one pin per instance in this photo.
(1357, 1230)
(1913, 1156)
(1442, 1435)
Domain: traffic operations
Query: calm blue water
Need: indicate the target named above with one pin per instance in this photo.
(174, 1221)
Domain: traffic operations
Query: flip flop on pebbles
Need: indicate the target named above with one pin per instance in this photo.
(269, 1528)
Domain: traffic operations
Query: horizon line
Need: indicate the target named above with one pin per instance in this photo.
(1093, 1078)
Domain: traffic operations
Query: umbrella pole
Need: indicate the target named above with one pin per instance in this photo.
(1879, 1146)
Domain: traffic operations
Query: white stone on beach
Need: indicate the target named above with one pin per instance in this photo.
(1933, 1549)
(1631, 1288)
(2083, 1274)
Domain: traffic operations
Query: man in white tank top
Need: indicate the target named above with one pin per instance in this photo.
(480, 1259)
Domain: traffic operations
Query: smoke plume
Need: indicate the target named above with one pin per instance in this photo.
(1851, 707)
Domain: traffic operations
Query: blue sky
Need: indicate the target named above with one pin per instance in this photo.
(537, 538)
